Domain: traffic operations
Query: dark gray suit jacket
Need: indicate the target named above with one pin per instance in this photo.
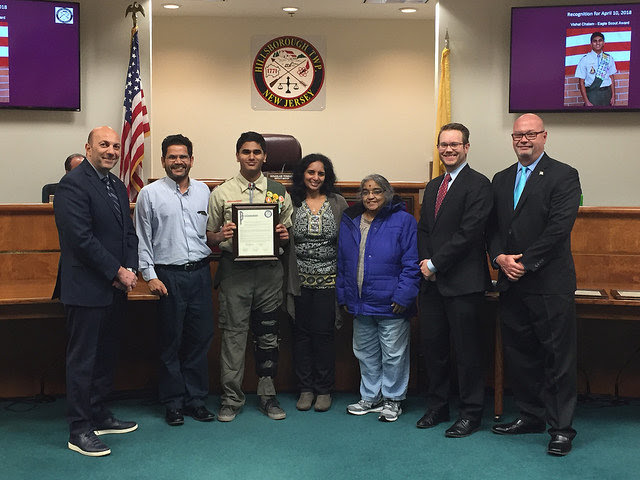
(539, 228)
(454, 240)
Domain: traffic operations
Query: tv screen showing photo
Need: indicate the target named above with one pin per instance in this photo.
(575, 58)
(39, 55)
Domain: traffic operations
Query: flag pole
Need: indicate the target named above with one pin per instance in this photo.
(135, 125)
(443, 106)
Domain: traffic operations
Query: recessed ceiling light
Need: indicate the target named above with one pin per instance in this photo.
(408, 10)
(290, 9)
(170, 6)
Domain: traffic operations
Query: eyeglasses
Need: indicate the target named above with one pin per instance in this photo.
(453, 145)
(375, 192)
(529, 135)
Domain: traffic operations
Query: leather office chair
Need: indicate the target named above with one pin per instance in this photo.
(48, 190)
(283, 152)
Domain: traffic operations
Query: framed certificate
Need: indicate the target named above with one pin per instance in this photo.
(255, 237)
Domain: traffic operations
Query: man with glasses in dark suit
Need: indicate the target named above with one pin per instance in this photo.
(535, 204)
(453, 261)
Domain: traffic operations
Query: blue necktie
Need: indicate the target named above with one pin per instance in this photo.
(520, 186)
(112, 196)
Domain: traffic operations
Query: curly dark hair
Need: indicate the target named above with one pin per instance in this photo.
(299, 191)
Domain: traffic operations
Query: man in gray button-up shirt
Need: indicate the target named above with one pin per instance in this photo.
(171, 222)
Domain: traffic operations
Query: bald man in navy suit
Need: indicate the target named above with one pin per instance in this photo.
(98, 263)
(535, 206)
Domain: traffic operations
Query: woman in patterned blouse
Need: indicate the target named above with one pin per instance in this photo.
(317, 209)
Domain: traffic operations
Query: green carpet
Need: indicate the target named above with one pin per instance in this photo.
(311, 445)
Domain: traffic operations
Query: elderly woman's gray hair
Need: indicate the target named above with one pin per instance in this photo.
(382, 182)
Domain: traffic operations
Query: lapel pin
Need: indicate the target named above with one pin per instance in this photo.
(541, 172)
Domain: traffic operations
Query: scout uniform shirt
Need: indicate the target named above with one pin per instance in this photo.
(236, 190)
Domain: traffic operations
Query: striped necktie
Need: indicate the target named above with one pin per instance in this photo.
(112, 196)
(442, 192)
(520, 186)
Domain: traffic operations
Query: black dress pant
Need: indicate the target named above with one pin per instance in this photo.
(91, 360)
(447, 321)
(539, 338)
(185, 330)
(313, 342)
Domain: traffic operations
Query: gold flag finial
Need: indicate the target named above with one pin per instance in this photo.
(134, 9)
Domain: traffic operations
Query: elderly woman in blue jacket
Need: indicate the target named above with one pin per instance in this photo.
(378, 280)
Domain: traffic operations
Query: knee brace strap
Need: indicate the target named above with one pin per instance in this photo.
(266, 362)
(265, 323)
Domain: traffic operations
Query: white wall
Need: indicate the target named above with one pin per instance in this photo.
(603, 147)
(35, 143)
(379, 87)
(379, 112)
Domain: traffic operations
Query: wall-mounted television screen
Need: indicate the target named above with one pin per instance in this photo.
(575, 58)
(39, 55)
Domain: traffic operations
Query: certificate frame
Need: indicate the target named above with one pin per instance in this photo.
(255, 220)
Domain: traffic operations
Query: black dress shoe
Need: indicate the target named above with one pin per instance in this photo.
(518, 426)
(200, 413)
(559, 445)
(462, 428)
(88, 444)
(174, 417)
(113, 425)
(431, 418)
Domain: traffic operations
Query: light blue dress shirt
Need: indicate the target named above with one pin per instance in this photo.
(531, 168)
(171, 226)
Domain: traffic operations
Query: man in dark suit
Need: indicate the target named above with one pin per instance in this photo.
(71, 162)
(98, 259)
(453, 261)
(535, 205)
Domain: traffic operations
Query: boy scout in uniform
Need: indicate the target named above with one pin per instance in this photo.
(250, 292)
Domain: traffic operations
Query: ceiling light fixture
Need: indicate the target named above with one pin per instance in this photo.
(408, 10)
(170, 6)
(290, 10)
(395, 1)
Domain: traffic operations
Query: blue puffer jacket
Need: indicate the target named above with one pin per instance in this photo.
(391, 271)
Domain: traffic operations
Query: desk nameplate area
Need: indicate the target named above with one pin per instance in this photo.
(626, 294)
(591, 293)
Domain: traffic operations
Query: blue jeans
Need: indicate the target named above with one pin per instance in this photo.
(381, 345)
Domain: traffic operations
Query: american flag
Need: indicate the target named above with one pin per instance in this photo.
(135, 125)
(617, 43)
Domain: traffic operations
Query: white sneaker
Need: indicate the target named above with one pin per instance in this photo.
(391, 410)
(363, 407)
